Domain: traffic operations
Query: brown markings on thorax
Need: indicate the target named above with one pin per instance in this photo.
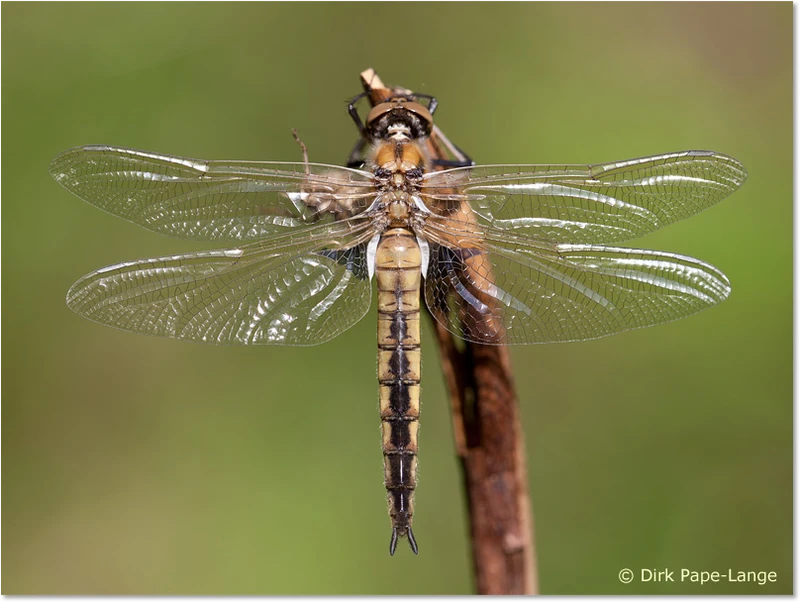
(400, 157)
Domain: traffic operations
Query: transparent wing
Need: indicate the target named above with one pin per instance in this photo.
(276, 292)
(605, 203)
(211, 200)
(497, 289)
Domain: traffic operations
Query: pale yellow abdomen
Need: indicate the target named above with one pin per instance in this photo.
(398, 272)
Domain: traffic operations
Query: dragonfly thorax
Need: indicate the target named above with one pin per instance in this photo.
(399, 165)
(398, 208)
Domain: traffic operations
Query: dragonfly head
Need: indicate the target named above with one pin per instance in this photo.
(399, 119)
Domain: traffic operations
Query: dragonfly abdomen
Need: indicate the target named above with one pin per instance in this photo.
(398, 272)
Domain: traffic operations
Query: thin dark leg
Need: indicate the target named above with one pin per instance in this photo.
(356, 160)
(432, 102)
(448, 163)
(467, 160)
(461, 159)
(351, 109)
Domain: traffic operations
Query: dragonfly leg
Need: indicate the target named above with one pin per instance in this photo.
(447, 163)
(351, 109)
(356, 159)
(460, 158)
(432, 102)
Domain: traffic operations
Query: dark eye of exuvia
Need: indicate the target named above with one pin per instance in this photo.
(382, 173)
(414, 173)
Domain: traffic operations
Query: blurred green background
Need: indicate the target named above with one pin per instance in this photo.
(141, 465)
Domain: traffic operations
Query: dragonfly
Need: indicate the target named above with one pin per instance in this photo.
(501, 254)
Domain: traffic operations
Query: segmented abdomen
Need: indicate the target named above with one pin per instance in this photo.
(398, 272)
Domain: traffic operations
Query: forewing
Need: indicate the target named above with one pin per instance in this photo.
(211, 200)
(277, 292)
(586, 204)
(502, 290)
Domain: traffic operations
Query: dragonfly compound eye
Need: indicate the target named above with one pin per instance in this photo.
(387, 118)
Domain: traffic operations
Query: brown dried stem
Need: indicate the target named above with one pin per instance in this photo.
(489, 442)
